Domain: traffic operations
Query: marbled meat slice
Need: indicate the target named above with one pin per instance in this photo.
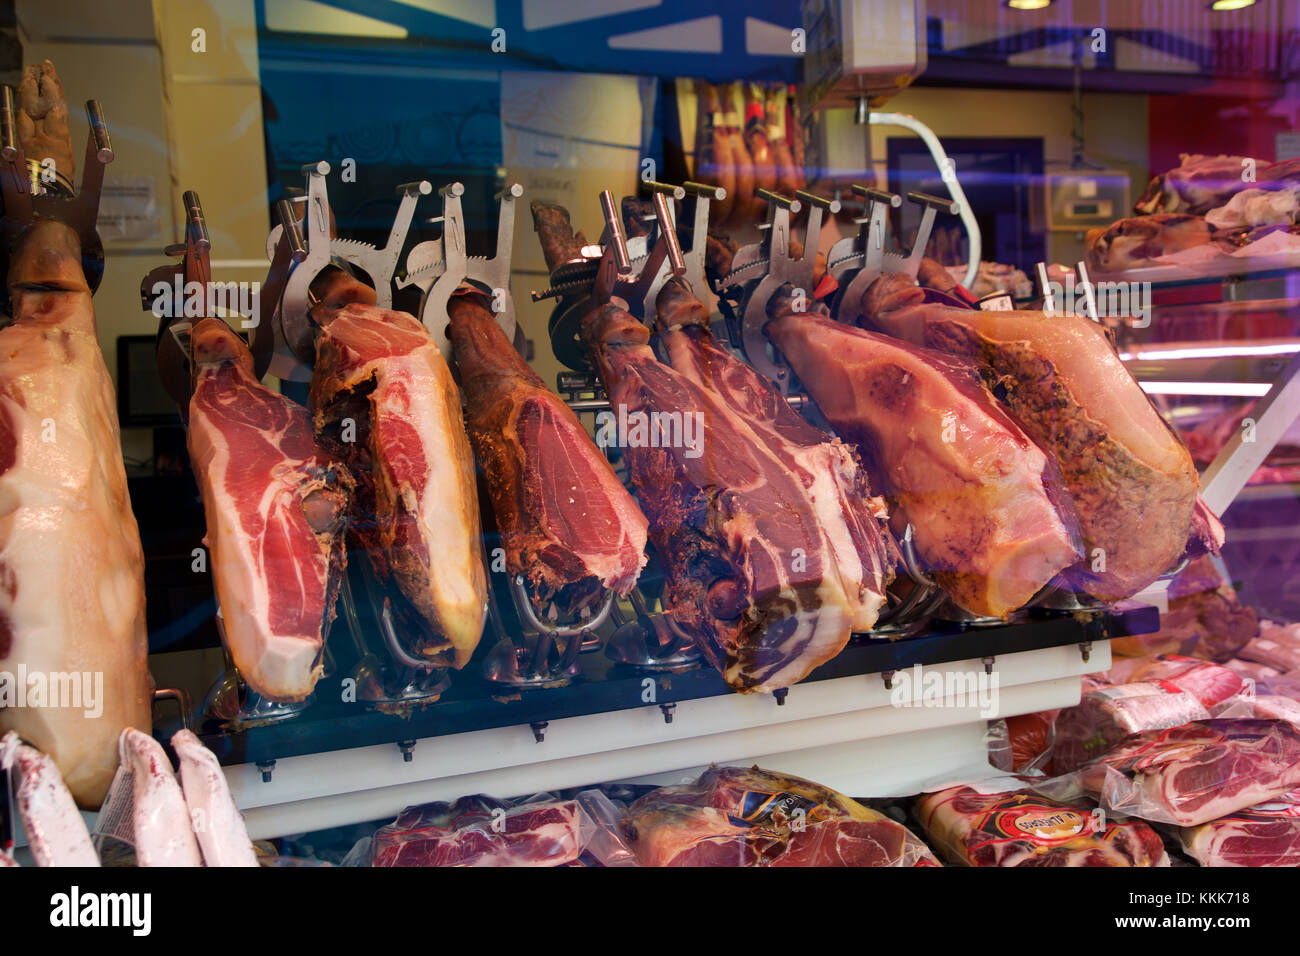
(275, 505)
(733, 816)
(383, 399)
(1197, 772)
(481, 831)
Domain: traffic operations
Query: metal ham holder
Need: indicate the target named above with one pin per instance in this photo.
(28, 195)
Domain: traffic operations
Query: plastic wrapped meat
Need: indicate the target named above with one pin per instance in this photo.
(213, 814)
(1198, 772)
(1278, 646)
(55, 830)
(1267, 834)
(1107, 715)
(736, 817)
(482, 831)
(1211, 684)
(1022, 828)
(1277, 707)
(162, 829)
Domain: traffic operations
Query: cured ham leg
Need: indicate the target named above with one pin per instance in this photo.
(71, 565)
(851, 521)
(56, 833)
(275, 506)
(384, 400)
(1131, 479)
(714, 162)
(566, 520)
(981, 497)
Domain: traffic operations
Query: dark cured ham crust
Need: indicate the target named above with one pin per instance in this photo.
(567, 523)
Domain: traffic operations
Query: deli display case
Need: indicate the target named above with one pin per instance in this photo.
(849, 433)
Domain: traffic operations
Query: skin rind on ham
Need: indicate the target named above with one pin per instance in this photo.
(71, 564)
(411, 458)
(565, 518)
(1132, 481)
(56, 832)
(970, 482)
(274, 505)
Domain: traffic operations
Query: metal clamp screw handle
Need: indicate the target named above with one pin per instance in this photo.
(830, 205)
(617, 237)
(668, 230)
(705, 191)
(937, 203)
(293, 235)
(776, 199)
(666, 189)
(878, 195)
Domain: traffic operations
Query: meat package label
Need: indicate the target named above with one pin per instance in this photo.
(1042, 824)
(757, 808)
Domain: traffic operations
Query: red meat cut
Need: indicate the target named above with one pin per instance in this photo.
(481, 831)
(274, 504)
(1267, 834)
(1198, 772)
(1023, 828)
(566, 520)
(733, 816)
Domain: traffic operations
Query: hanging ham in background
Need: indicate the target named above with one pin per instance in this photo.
(733, 105)
(713, 158)
(760, 150)
(275, 506)
(986, 507)
(1131, 479)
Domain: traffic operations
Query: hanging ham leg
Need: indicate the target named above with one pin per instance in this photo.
(71, 565)
(567, 522)
(714, 162)
(1131, 479)
(787, 179)
(981, 497)
(384, 401)
(760, 150)
(275, 506)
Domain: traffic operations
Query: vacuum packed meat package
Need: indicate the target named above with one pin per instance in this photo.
(1024, 828)
(1267, 834)
(1139, 241)
(56, 833)
(1277, 646)
(1215, 686)
(986, 507)
(733, 816)
(384, 401)
(482, 831)
(567, 523)
(1122, 465)
(162, 830)
(1197, 772)
(71, 564)
(1107, 715)
(275, 506)
(1205, 619)
(774, 548)
(217, 824)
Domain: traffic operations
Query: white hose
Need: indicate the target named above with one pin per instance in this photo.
(949, 174)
